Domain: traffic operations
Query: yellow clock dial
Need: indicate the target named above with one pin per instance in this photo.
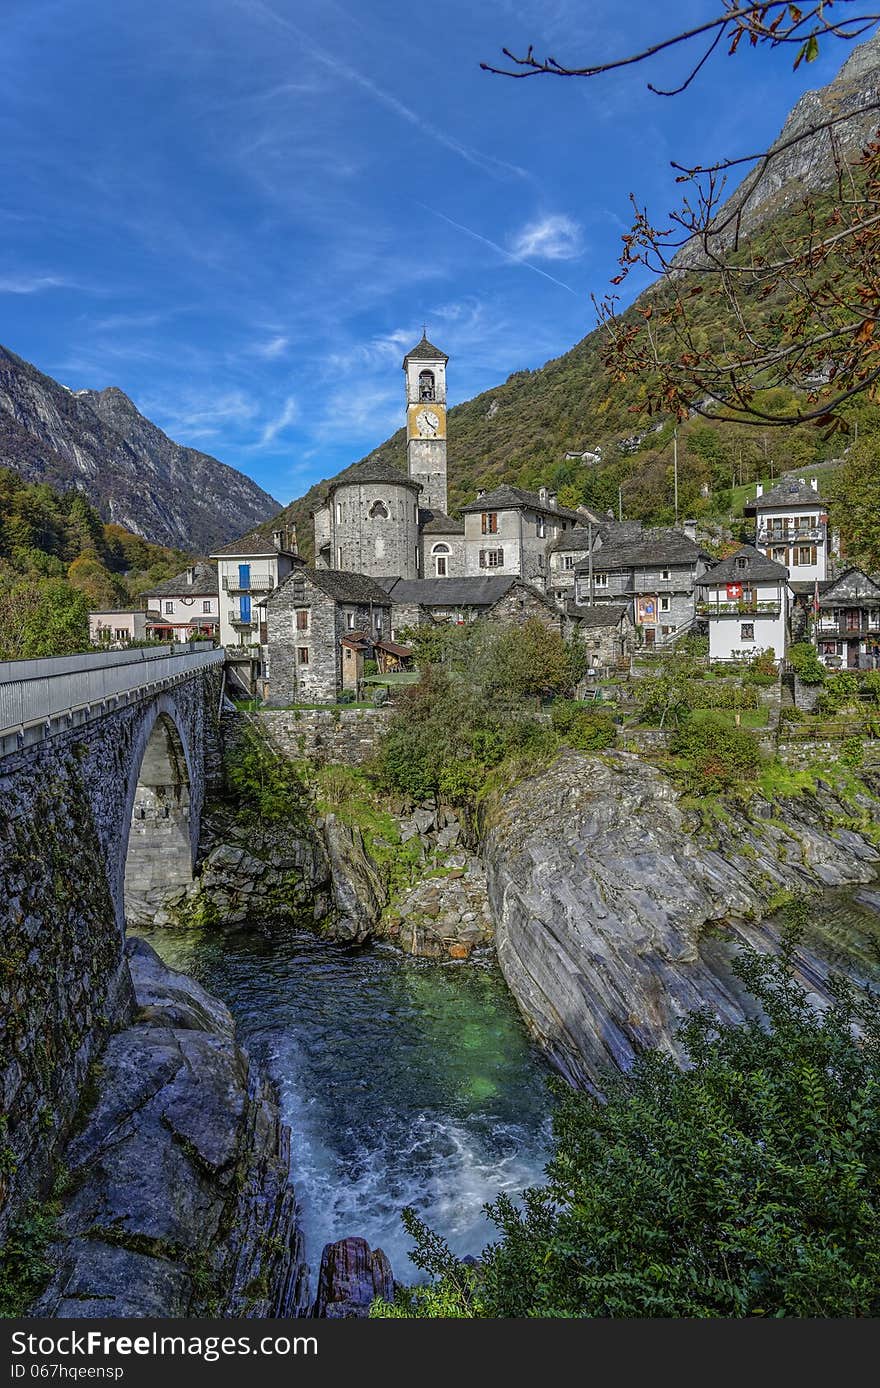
(427, 423)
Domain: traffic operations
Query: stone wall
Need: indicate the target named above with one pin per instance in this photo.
(347, 735)
(67, 809)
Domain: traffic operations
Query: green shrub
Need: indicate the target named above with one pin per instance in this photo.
(264, 784)
(745, 1184)
(588, 729)
(841, 690)
(805, 663)
(714, 756)
(852, 753)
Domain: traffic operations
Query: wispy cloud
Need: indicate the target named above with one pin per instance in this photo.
(31, 284)
(500, 250)
(554, 237)
(285, 416)
(272, 348)
(489, 163)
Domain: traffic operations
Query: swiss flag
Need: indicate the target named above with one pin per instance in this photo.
(734, 591)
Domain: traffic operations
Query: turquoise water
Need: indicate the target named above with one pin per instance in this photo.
(405, 1082)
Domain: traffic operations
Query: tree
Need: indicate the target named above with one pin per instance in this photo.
(800, 300)
(533, 660)
(40, 617)
(745, 1184)
(854, 490)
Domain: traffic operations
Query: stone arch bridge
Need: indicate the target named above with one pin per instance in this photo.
(104, 763)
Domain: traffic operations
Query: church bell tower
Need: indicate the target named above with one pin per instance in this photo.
(425, 371)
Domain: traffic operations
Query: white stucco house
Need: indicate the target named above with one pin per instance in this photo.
(745, 599)
(791, 524)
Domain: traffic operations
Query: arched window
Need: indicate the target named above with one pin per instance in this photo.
(378, 511)
(426, 385)
(440, 555)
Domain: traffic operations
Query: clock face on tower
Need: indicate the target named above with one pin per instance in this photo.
(427, 423)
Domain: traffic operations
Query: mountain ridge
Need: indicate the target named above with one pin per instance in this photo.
(98, 442)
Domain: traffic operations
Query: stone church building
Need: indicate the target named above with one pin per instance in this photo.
(378, 520)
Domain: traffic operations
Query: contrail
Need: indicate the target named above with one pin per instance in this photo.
(505, 254)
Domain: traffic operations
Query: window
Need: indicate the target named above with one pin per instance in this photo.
(491, 558)
(568, 561)
(805, 555)
(440, 563)
(666, 574)
(746, 631)
(490, 522)
(741, 562)
(665, 604)
(378, 511)
(120, 634)
(379, 622)
(169, 607)
(348, 652)
(339, 512)
(339, 557)
(206, 605)
(600, 580)
(349, 620)
(302, 619)
(541, 526)
(426, 385)
(302, 655)
(668, 631)
(541, 562)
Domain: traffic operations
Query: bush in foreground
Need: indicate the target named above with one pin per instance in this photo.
(747, 1184)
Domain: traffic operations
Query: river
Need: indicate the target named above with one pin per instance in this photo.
(404, 1081)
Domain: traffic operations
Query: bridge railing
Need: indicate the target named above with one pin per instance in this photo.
(25, 702)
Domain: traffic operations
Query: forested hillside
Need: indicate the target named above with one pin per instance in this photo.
(58, 559)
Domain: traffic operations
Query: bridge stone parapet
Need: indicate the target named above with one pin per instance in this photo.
(71, 791)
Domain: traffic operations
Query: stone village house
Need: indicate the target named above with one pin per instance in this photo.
(318, 622)
(846, 626)
(416, 602)
(653, 572)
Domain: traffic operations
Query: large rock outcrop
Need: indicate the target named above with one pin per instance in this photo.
(604, 903)
(179, 1201)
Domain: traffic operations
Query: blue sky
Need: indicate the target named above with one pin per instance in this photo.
(241, 211)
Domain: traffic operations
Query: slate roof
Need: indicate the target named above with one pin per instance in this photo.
(372, 470)
(425, 351)
(578, 538)
(514, 498)
(601, 614)
(204, 584)
(644, 549)
(257, 544)
(458, 592)
(758, 569)
(347, 587)
(438, 523)
(868, 598)
(791, 491)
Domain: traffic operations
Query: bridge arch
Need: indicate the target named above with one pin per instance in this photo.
(159, 837)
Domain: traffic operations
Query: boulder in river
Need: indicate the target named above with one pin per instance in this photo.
(352, 1276)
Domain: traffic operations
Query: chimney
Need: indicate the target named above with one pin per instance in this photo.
(278, 539)
(690, 529)
(542, 495)
(190, 576)
(760, 491)
(551, 498)
(481, 492)
(814, 483)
